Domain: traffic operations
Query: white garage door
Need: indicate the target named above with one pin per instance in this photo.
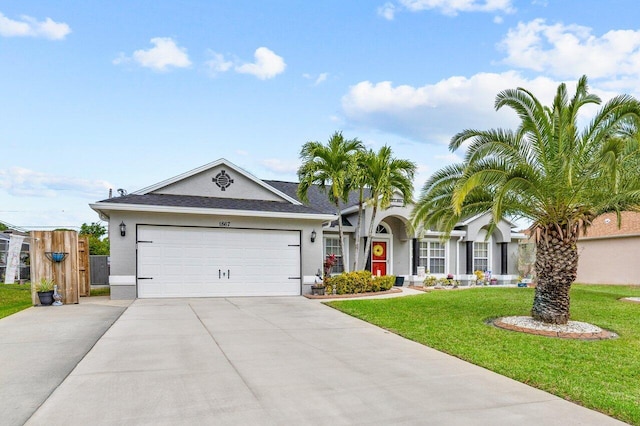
(201, 262)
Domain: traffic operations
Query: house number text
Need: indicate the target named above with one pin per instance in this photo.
(225, 224)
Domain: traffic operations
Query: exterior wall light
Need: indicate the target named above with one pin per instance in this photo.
(313, 236)
(123, 229)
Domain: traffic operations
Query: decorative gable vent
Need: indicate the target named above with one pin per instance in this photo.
(223, 180)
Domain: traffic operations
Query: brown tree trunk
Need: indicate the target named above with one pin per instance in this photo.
(556, 268)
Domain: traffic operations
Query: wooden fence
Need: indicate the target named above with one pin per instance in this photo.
(84, 277)
(72, 274)
(99, 269)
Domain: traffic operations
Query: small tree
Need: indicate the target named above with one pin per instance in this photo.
(95, 232)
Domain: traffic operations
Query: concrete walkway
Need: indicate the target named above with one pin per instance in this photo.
(277, 361)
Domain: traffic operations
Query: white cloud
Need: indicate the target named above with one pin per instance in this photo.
(453, 7)
(280, 166)
(322, 77)
(267, 64)
(165, 54)
(31, 27)
(121, 59)
(217, 64)
(433, 113)
(387, 11)
(21, 182)
(498, 19)
(569, 51)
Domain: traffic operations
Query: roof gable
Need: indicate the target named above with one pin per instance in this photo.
(219, 179)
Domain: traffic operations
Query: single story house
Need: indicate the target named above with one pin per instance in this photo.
(608, 254)
(220, 231)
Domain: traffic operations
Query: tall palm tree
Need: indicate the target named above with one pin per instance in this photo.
(328, 167)
(386, 175)
(547, 171)
(358, 178)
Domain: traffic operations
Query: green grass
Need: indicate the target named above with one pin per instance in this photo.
(14, 298)
(602, 375)
(100, 291)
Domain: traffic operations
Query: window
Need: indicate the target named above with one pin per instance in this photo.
(433, 256)
(381, 229)
(332, 246)
(481, 256)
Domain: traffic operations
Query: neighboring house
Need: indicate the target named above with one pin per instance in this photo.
(608, 254)
(219, 231)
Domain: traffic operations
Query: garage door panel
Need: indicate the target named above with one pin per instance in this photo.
(195, 262)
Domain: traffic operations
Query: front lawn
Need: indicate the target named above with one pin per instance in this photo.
(602, 375)
(14, 298)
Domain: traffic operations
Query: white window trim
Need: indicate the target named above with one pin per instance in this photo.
(489, 254)
(447, 257)
(345, 256)
(385, 226)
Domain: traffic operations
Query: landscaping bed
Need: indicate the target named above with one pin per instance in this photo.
(351, 296)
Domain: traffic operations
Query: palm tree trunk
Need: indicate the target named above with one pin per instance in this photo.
(556, 268)
(357, 235)
(341, 234)
(367, 248)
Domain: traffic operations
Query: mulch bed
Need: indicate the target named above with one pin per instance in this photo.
(602, 335)
(434, 288)
(352, 296)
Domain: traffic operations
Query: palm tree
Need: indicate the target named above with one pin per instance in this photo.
(547, 171)
(386, 175)
(328, 167)
(358, 179)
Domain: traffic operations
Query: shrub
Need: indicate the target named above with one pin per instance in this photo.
(358, 282)
(386, 282)
(430, 281)
(443, 282)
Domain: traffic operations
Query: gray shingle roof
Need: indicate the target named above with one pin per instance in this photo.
(317, 198)
(210, 203)
(318, 201)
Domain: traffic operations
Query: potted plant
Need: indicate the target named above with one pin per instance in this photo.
(319, 288)
(44, 288)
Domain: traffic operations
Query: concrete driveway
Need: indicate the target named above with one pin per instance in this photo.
(282, 361)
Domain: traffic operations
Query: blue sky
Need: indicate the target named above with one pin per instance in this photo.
(124, 94)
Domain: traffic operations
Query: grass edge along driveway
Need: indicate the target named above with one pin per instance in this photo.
(601, 375)
(14, 298)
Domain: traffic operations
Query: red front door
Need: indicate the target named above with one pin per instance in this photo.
(379, 258)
